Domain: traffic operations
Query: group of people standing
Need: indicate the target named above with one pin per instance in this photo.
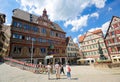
(59, 69)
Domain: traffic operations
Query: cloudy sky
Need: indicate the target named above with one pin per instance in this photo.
(74, 16)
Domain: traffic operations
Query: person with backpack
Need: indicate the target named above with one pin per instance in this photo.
(68, 70)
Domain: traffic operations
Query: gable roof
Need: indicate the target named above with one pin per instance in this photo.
(110, 25)
(20, 14)
(81, 38)
(67, 40)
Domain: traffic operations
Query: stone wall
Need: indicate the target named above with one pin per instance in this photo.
(106, 65)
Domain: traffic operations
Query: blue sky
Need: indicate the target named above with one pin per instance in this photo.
(74, 16)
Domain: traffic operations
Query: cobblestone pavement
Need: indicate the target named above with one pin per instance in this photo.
(79, 74)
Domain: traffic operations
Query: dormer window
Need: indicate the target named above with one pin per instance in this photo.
(31, 18)
(56, 34)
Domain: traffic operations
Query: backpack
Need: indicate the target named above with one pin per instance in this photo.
(69, 69)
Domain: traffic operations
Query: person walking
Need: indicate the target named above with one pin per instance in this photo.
(68, 70)
(62, 69)
(49, 70)
(57, 69)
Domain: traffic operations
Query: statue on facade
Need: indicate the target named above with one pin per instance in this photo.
(100, 51)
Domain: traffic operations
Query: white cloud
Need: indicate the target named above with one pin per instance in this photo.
(59, 9)
(64, 10)
(95, 15)
(81, 22)
(77, 23)
(75, 40)
(104, 27)
(109, 9)
(98, 3)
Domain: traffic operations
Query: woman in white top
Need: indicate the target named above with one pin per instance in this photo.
(48, 69)
(57, 68)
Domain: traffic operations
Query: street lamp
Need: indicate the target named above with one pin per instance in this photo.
(32, 51)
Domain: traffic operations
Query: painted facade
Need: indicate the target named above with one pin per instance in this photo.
(35, 37)
(72, 51)
(89, 44)
(112, 39)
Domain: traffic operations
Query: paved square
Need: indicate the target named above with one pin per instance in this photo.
(79, 74)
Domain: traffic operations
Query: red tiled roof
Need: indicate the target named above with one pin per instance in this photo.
(81, 38)
(97, 31)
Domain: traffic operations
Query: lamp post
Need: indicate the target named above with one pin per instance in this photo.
(32, 52)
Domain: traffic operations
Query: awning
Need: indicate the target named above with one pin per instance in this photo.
(86, 59)
(49, 57)
(81, 59)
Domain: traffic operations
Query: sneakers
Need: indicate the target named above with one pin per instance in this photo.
(69, 78)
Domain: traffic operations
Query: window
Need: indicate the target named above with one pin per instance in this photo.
(92, 61)
(17, 36)
(40, 39)
(63, 36)
(19, 24)
(31, 18)
(30, 49)
(43, 30)
(44, 40)
(28, 38)
(108, 42)
(27, 27)
(34, 39)
(23, 37)
(91, 53)
(93, 46)
(56, 34)
(17, 50)
(105, 51)
(115, 60)
(68, 49)
(14, 23)
(114, 40)
(43, 50)
(51, 42)
(35, 29)
(112, 33)
(103, 44)
(51, 33)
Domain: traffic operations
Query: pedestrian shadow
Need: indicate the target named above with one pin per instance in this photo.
(1, 63)
(56, 79)
(63, 78)
(74, 78)
(116, 74)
